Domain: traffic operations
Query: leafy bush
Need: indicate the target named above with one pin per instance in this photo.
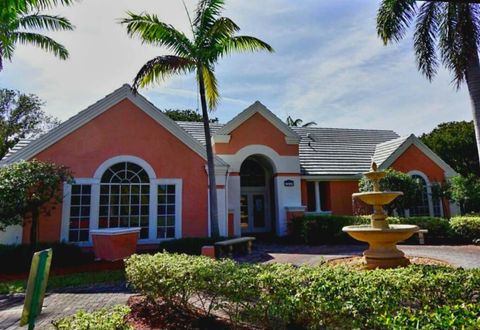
(280, 296)
(103, 319)
(190, 245)
(19, 257)
(327, 229)
(396, 181)
(466, 227)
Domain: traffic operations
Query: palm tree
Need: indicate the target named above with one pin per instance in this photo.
(214, 37)
(446, 33)
(18, 17)
(298, 122)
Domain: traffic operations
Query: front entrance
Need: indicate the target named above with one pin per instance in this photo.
(255, 195)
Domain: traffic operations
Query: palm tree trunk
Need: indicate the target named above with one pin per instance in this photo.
(473, 83)
(211, 165)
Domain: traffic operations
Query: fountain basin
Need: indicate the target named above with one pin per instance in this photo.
(382, 251)
(377, 197)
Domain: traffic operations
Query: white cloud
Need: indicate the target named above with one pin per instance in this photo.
(329, 66)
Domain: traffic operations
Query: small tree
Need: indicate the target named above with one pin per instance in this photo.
(186, 115)
(455, 143)
(28, 189)
(396, 181)
(465, 190)
(21, 116)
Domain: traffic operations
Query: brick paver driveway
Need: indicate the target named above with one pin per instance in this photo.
(61, 303)
(466, 256)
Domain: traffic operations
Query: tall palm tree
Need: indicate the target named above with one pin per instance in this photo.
(19, 17)
(213, 37)
(446, 33)
(298, 122)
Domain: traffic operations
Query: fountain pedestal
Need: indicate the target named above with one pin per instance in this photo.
(381, 237)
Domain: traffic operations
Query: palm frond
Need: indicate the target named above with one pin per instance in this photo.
(151, 30)
(41, 41)
(425, 38)
(45, 22)
(394, 18)
(241, 44)
(211, 87)
(459, 37)
(206, 13)
(160, 68)
(310, 123)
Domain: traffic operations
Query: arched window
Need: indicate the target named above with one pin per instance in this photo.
(422, 207)
(125, 197)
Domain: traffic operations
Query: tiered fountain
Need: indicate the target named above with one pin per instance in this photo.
(381, 237)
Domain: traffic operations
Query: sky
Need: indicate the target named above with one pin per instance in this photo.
(329, 66)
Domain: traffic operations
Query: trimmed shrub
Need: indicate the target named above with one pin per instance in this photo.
(104, 319)
(467, 228)
(327, 229)
(19, 257)
(283, 296)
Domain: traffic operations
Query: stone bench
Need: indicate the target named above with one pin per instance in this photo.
(421, 236)
(226, 247)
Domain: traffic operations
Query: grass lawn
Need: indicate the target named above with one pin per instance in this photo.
(70, 280)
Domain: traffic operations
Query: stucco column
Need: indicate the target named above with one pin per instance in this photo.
(287, 194)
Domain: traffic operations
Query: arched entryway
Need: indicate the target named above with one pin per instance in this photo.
(257, 207)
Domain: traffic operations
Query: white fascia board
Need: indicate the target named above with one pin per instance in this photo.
(413, 140)
(258, 107)
(85, 116)
(221, 138)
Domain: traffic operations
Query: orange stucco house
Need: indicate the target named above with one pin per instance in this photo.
(135, 167)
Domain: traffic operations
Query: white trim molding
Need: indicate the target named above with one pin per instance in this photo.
(122, 159)
(413, 140)
(95, 200)
(290, 136)
(93, 111)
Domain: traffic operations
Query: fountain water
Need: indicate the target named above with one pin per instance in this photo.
(381, 237)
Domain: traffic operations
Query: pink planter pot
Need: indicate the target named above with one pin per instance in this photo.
(115, 243)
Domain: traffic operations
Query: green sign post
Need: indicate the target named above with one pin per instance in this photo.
(37, 283)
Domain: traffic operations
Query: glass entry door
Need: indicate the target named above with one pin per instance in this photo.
(254, 211)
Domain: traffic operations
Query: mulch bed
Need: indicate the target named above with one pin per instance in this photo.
(94, 267)
(358, 262)
(145, 315)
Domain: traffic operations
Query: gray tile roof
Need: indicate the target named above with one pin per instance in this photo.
(385, 149)
(20, 145)
(323, 151)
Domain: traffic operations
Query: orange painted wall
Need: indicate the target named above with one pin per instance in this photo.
(126, 130)
(414, 159)
(304, 194)
(341, 196)
(257, 130)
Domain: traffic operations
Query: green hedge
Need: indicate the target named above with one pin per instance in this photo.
(113, 318)
(19, 257)
(327, 229)
(467, 227)
(283, 296)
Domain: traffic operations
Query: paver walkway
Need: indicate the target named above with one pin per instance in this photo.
(61, 303)
(466, 256)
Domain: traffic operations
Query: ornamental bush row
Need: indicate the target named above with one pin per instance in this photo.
(283, 296)
(327, 229)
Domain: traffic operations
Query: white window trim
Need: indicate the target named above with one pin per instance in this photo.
(429, 193)
(95, 200)
(66, 203)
